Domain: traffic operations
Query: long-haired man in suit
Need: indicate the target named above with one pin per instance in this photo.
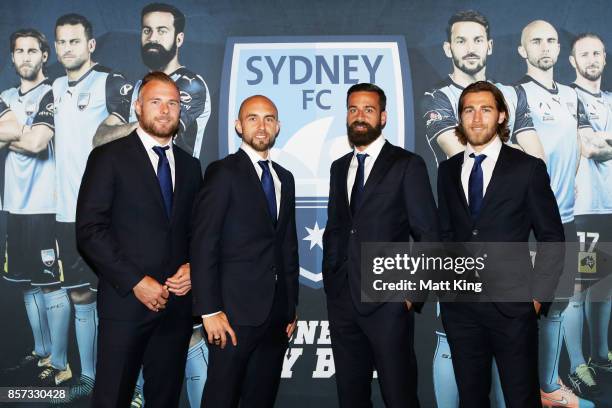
(133, 219)
(493, 193)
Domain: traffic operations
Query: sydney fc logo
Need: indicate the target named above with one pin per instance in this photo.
(307, 78)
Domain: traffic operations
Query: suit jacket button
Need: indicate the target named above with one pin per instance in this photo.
(353, 231)
(474, 232)
(273, 269)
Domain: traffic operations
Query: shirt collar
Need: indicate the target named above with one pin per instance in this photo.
(253, 154)
(492, 150)
(148, 141)
(373, 149)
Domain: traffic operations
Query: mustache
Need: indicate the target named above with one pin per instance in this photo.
(153, 46)
(470, 55)
(360, 123)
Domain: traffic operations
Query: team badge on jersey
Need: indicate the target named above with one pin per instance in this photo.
(125, 89)
(587, 262)
(83, 100)
(48, 256)
(307, 78)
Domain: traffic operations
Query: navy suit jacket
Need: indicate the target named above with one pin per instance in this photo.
(122, 228)
(238, 252)
(397, 205)
(518, 200)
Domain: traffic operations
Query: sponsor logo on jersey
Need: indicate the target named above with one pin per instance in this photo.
(125, 89)
(185, 97)
(433, 116)
(48, 256)
(307, 78)
(83, 100)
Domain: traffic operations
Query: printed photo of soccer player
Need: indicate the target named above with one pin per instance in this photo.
(162, 36)
(588, 376)
(560, 122)
(468, 45)
(29, 200)
(85, 97)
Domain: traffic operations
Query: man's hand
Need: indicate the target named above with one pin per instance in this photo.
(151, 293)
(291, 327)
(537, 305)
(180, 282)
(216, 327)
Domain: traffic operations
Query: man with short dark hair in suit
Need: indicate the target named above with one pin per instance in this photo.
(133, 226)
(245, 264)
(378, 193)
(492, 193)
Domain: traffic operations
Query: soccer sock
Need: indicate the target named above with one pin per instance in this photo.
(445, 385)
(58, 316)
(573, 321)
(549, 350)
(496, 388)
(86, 329)
(598, 317)
(195, 372)
(34, 301)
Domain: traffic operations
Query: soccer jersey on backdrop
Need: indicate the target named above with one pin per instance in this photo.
(557, 115)
(80, 107)
(594, 178)
(29, 186)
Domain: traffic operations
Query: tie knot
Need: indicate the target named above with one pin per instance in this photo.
(264, 165)
(478, 159)
(361, 157)
(160, 151)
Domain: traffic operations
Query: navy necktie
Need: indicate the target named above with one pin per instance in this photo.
(358, 185)
(164, 176)
(268, 187)
(475, 186)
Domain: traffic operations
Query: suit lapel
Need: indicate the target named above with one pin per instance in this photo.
(499, 171)
(282, 211)
(381, 166)
(344, 168)
(255, 183)
(179, 173)
(459, 187)
(143, 165)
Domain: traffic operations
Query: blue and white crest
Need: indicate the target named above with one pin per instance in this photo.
(307, 78)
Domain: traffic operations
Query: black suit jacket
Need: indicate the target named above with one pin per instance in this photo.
(518, 200)
(397, 204)
(122, 228)
(237, 252)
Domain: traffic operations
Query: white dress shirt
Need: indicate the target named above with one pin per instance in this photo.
(487, 165)
(373, 150)
(255, 158)
(149, 143)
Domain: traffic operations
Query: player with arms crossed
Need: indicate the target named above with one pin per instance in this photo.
(29, 192)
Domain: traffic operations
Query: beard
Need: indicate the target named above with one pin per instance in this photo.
(28, 72)
(478, 139)
(459, 63)
(154, 129)
(591, 75)
(544, 63)
(261, 145)
(156, 57)
(362, 138)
